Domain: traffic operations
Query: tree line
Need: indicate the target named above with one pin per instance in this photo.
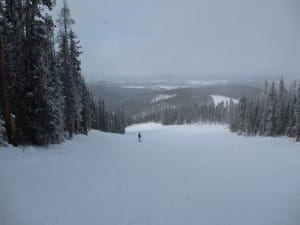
(114, 121)
(275, 112)
(44, 98)
(186, 114)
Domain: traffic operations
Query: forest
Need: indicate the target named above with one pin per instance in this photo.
(44, 98)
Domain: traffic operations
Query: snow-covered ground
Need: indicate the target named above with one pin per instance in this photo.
(162, 97)
(192, 175)
(219, 98)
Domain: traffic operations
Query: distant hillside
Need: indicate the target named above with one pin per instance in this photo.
(135, 100)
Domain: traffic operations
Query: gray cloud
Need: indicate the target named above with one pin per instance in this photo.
(188, 38)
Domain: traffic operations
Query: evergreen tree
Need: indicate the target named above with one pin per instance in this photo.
(271, 109)
(280, 112)
(242, 115)
(64, 63)
(37, 73)
(5, 100)
(290, 111)
(12, 19)
(102, 116)
(87, 110)
(48, 91)
(53, 88)
(233, 119)
(78, 82)
(278, 107)
(263, 110)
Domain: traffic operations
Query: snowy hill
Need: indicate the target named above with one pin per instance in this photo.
(137, 99)
(196, 174)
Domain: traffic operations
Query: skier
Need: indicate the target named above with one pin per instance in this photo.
(140, 137)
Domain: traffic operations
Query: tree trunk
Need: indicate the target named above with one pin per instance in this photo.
(8, 117)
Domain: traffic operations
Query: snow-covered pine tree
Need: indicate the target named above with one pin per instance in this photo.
(93, 112)
(280, 112)
(87, 109)
(5, 101)
(37, 73)
(78, 82)
(290, 111)
(251, 116)
(233, 118)
(12, 32)
(64, 23)
(102, 116)
(34, 72)
(53, 88)
(117, 121)
(242, 115)
(120, 121)
(263, 110)
(271, 109)
(258, 115)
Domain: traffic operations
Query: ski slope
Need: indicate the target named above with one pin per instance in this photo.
(178, 175)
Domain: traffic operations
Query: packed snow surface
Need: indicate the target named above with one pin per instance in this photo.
(219, 98)
(190, 174)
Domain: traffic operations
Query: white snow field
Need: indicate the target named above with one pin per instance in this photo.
(162, 97)
(219, 98)
(178, 175)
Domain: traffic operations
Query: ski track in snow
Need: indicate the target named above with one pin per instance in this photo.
(190, 174)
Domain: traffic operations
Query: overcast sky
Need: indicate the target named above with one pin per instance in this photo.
(188, 39)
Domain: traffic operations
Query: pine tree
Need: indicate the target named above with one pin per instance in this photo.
(280, 112)
(102, 116)
(233, 119)
(271, 109)
(64, 63)
(29, 67)
(12, 32)
(263, 110)
(290, 111)
(53, 88)
(87, 109)
(37, 73)
(5, 99)
(45, 86)
(242, 115)
(78, 82)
